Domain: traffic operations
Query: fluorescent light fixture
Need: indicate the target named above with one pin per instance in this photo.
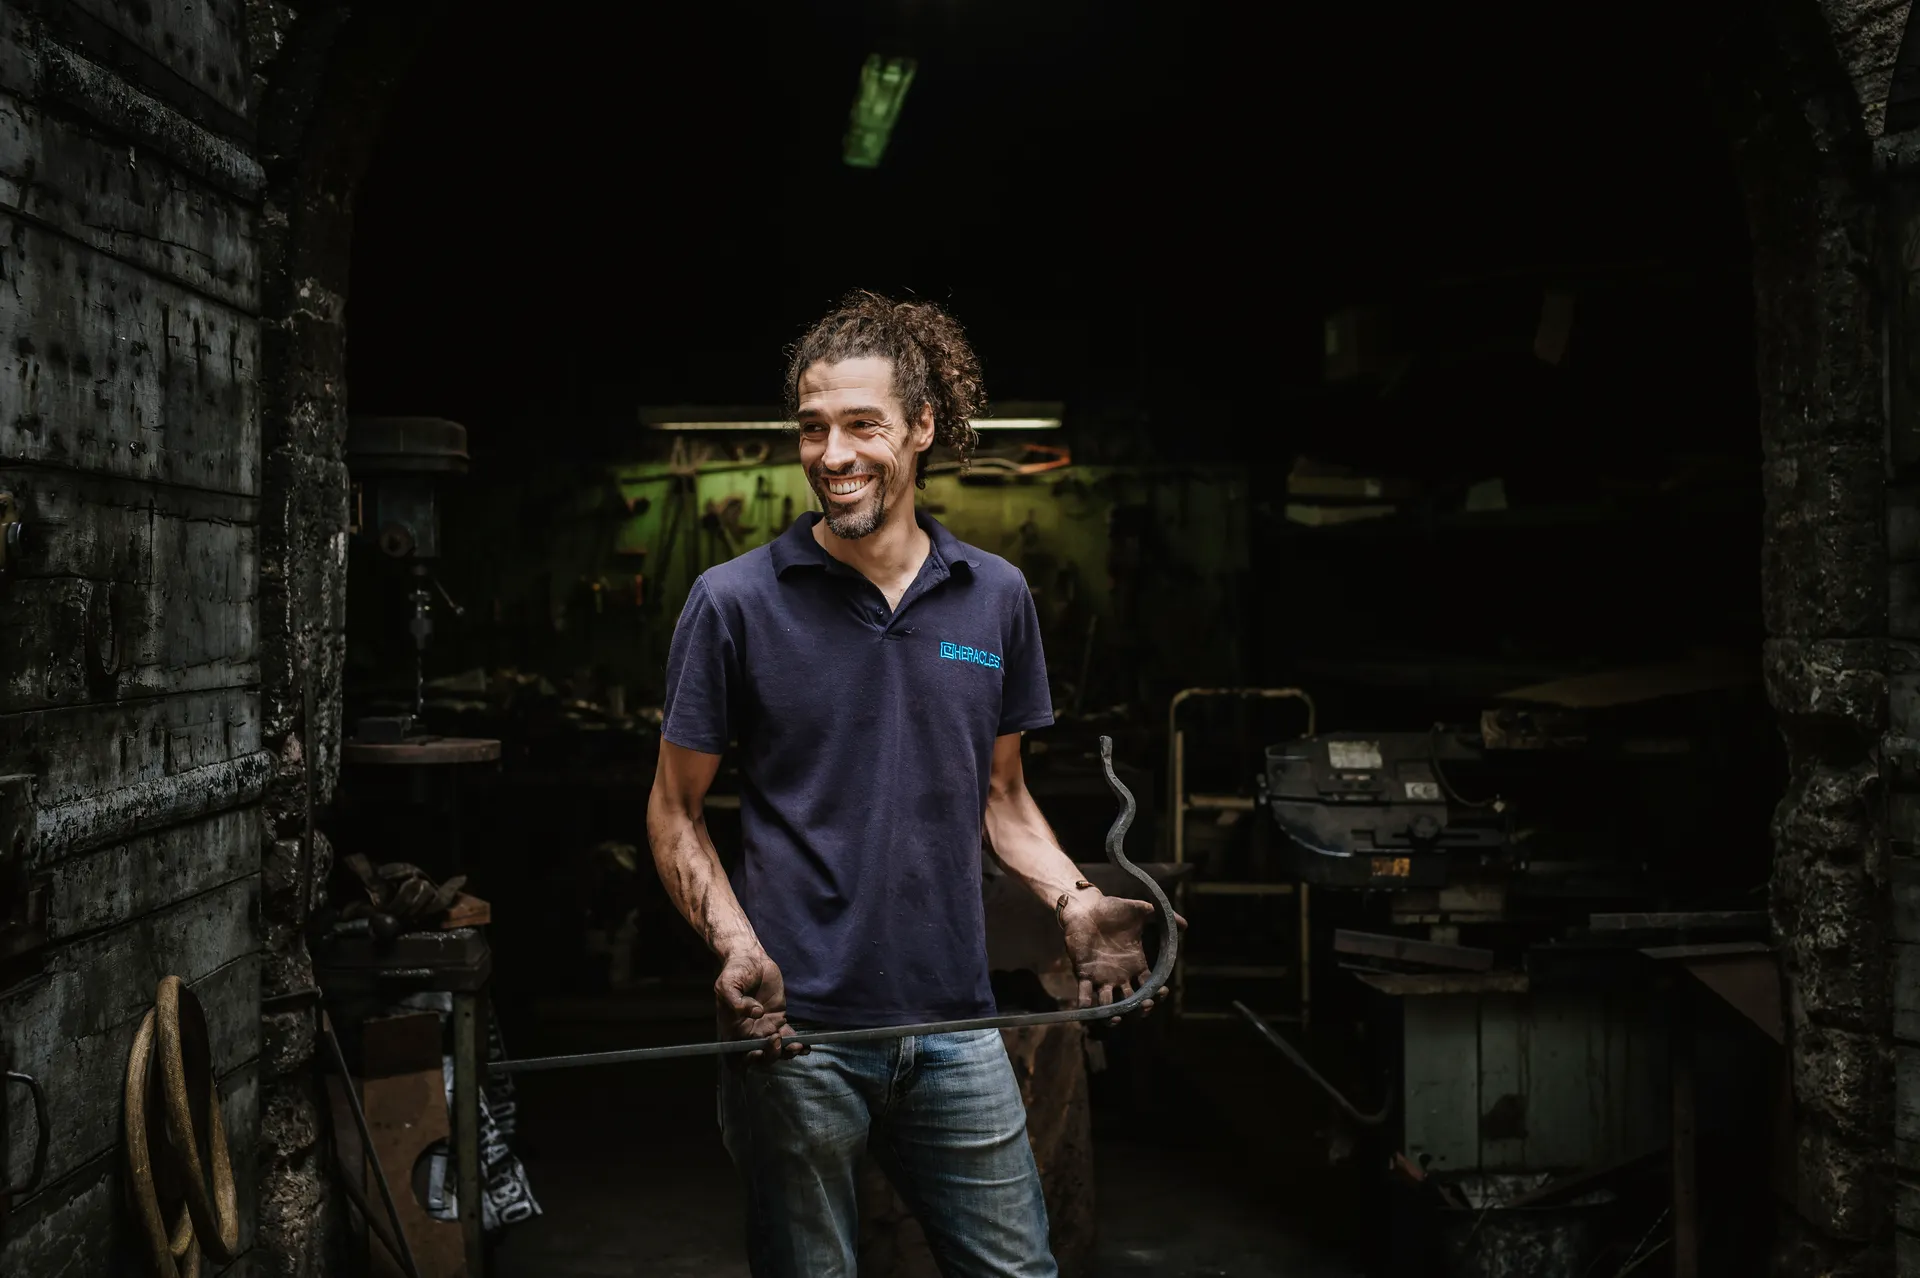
(1015, 417)
(883, 90)
(1022, 415)
(719, 425)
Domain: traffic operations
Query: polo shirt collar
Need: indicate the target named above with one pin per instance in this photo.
(796, 548)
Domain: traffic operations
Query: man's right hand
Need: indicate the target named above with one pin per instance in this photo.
(752, 1003)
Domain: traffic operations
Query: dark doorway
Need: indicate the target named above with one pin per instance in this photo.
(1523, 242)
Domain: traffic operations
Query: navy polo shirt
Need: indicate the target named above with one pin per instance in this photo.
(865, 744)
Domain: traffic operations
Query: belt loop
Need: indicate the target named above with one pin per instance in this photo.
(905, 1068)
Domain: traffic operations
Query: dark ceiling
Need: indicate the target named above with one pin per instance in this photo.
(1142, 209)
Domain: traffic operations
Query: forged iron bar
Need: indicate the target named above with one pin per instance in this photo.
(1292, 1053)
(1116, 853)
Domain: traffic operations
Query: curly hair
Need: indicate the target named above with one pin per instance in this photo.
(933, 364)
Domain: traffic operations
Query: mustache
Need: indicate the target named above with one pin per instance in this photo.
(818, 472)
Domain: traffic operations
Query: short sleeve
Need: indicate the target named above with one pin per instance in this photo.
(1026, 702)
(703, 674)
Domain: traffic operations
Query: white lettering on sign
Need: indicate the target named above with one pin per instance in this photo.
(1358, 755)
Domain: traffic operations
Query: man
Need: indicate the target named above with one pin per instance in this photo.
(876, 674)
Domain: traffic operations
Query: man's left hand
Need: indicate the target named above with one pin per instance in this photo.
(1102, 935)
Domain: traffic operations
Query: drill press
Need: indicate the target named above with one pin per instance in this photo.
(398, 465)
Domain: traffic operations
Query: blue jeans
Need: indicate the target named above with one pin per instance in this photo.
(941, 1114)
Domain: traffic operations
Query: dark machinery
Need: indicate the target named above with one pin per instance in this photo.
(398, 465)
(1541, 812)
(1374, 810)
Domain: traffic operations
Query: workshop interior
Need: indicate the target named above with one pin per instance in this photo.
(1376, 418)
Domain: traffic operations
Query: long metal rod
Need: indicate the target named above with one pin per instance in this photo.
(379, 1229)
(366, 1145)
(1116, 853)
(1292, 1053)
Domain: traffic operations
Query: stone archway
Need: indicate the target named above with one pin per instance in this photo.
(1802, 86)
(1803, 90)
(323, 75)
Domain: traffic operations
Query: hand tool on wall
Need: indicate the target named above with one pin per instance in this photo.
(1116, 853)
(679, 517)
(722, 522)
(760, 508)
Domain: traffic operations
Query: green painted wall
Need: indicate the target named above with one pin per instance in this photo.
(1152, 560)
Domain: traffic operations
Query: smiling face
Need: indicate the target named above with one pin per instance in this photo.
(857, 446)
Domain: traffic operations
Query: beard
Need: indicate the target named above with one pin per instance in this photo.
(861, 520)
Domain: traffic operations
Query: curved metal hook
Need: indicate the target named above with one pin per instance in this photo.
(1116, 853)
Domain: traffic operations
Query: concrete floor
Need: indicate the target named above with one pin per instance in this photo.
(627, 1165)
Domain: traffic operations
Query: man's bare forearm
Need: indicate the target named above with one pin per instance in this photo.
(1023, 842)
(690, 869)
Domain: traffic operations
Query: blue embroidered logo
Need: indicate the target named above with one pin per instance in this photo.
(960, 652)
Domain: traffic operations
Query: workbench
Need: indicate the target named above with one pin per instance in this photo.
(1504, 1075)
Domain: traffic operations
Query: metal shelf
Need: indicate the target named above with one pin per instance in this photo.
(1181, 803)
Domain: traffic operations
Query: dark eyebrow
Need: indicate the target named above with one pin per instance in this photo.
(863, 410)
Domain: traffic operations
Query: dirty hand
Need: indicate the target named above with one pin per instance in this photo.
(751, 1001)
(1102, 935)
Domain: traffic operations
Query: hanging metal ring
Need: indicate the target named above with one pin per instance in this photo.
(163, 1249)
(185, 1049)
